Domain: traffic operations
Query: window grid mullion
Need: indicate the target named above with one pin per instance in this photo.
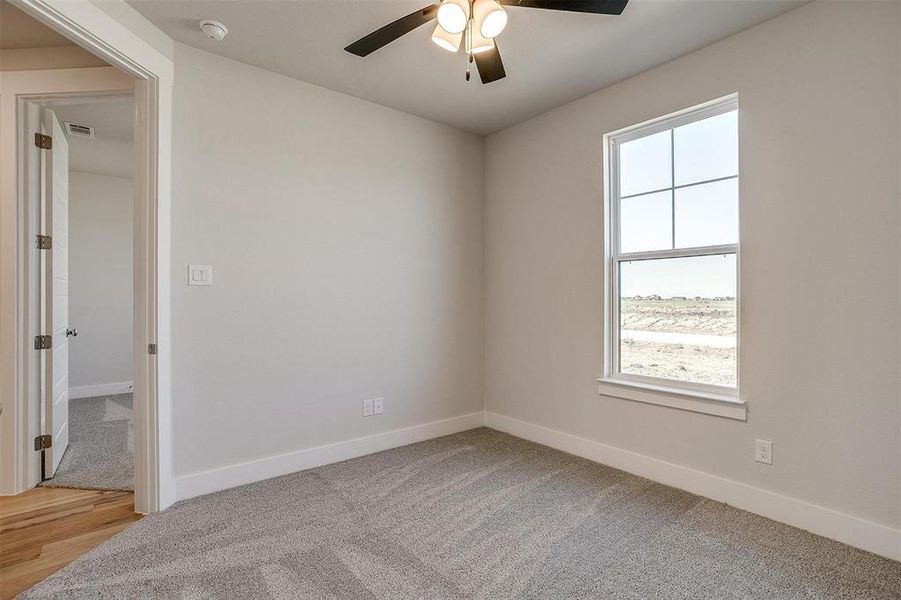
(672, 192)
(680, 187)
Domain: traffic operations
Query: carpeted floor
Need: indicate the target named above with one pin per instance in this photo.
(100, 455)
(475, 515)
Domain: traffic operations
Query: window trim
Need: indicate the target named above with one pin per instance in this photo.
(707, 398)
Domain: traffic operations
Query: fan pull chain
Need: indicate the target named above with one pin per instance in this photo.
(468, 35)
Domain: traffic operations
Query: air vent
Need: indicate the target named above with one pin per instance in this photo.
(82, 131)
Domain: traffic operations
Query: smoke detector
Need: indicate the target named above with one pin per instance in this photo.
(213, 29)
(82, 131)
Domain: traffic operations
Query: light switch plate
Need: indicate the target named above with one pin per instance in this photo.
(367, 407)
(200, 274)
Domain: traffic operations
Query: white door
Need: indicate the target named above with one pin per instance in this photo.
(55, 262)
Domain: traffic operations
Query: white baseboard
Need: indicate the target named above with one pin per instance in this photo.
(100, 389)
(829, 523)
(205, 482)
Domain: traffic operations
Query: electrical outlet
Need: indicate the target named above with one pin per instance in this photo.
(367, 407)
(378, 406)
(763, 451)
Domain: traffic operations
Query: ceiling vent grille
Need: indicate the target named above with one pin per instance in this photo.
(82, 131)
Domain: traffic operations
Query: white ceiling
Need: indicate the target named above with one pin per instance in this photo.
(551, 57)
(111, 151)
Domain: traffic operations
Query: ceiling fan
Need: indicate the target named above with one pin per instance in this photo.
(474, 24)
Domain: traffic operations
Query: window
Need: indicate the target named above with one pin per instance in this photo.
(672, 260)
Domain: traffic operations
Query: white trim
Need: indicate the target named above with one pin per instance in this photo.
(86, 24)
(696, 401)
(100, 389)
(857, 532)
(214, 480)
(681, 252)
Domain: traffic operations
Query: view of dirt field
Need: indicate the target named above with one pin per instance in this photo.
(688, 339)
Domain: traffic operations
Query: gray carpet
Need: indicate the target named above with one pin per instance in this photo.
(100, 455)
(475, 515)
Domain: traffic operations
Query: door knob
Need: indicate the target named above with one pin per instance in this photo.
(71, 332)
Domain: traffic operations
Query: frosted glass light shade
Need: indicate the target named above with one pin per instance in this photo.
(453, 15)
(490, 18)
(477, 43)
(448, 41)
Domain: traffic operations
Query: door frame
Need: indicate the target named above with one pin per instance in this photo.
(152, 74)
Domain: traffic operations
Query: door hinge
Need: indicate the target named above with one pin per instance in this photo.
(43, 342)
(151, 348)
(45, 242)
(44, 142)
(42, 442)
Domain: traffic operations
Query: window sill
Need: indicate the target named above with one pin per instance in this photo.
(719, 405)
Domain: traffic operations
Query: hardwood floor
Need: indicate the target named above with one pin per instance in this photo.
(44, 529)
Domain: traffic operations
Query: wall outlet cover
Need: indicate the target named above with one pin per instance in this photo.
(763, 451)
(378, 406)
(367, 408)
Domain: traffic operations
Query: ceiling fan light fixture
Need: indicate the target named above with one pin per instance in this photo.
(453, 15)
(445, 40)
(490, 17)
(478, 22)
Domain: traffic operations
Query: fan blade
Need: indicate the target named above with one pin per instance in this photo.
(600, 7)
(390, 32)
(491, 67)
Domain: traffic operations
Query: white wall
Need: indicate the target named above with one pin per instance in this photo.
(819, 106)
(54, 57)
(100, 279)
(347, 248)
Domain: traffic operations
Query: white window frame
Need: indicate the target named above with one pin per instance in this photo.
(718, 400)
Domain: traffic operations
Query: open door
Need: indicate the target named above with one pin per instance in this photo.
(55, 292)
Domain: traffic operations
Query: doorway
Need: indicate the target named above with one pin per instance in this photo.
(87, 292)
(149, 75)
